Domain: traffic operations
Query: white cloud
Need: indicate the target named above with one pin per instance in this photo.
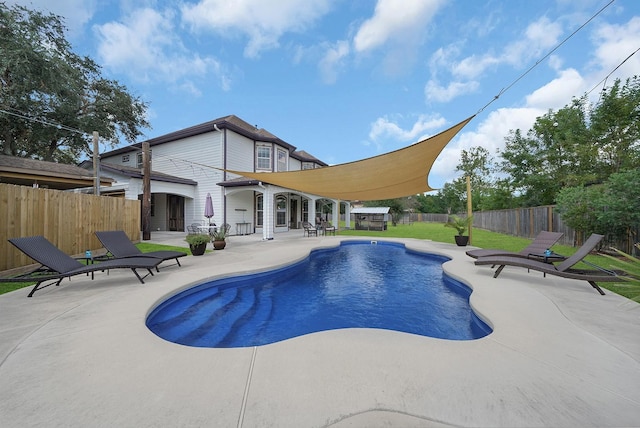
(384, 131)
(145, 46)
(558, 92)
(436, 92)
(333, 61)
(263, 22)
(395, 21)
(615, 43)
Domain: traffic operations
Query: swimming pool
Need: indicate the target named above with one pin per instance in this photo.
(359, 284)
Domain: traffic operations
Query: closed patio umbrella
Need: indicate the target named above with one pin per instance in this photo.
(208, 208)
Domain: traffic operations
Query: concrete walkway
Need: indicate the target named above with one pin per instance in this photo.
(79, 355)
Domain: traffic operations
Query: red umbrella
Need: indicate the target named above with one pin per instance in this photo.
(208, 207)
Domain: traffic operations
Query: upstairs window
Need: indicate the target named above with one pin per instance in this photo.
(282, 160)
(308, 165)
(139, 159)
(263, 157)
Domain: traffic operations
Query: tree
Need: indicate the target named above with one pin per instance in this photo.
(579, 145)
(611, 208)
(615, 124)
(53, 99)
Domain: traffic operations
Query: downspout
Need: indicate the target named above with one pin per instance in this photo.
(223, 144)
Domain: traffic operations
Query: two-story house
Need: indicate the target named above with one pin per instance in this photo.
(189, 164)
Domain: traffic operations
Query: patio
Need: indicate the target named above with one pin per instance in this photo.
(80, 355)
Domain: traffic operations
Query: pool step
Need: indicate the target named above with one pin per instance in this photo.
(211, 333)
(248, 328)
(194, 317)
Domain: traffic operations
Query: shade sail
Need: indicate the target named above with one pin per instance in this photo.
(396, 174)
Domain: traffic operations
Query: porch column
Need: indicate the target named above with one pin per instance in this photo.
(267, 213)
(347, 215)
(312, 211)
(335, 213)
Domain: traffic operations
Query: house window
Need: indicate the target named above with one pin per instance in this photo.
(140, 159)
(307, 165)
(305, 210)
(125, 158)
(282, 160)
(281, 211)
(259, 210)
(263, 157)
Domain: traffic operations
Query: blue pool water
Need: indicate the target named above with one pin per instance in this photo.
(357, 284)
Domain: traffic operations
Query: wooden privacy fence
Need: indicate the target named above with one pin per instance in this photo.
(68, 220)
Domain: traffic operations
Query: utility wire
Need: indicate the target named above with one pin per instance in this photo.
(44, 122)
(604, 81)
(503, 90)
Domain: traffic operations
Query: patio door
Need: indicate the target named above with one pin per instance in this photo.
(175, 210)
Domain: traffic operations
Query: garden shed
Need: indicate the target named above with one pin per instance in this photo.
(370, 218)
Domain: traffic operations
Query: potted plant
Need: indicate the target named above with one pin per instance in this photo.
(461, 225)
(198, 243)
(219, 238)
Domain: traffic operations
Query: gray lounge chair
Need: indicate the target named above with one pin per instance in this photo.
(118, 244)
(564, 269)
(540, 243)
(56, 265)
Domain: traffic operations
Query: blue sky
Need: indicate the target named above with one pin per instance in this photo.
(346, 80)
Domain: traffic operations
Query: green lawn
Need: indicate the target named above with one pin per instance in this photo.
(437, 232)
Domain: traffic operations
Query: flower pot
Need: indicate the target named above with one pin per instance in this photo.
(461, 240)
(198, 249)
(219, 245)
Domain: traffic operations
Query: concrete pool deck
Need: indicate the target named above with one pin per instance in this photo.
(80, 355)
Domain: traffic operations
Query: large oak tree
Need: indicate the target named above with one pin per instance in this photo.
(51, 99)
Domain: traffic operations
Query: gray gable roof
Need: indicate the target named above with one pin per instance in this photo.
(42, 167)
(231, 122)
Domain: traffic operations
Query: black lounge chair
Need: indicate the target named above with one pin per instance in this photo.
(541, 242)
(56, 265)
(564, 269)
(118, 245)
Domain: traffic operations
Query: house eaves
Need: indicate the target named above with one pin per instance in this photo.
(137, 173)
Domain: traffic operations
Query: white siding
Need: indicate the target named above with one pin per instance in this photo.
(294, 164)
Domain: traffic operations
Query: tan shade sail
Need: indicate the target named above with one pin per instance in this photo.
(396, 174)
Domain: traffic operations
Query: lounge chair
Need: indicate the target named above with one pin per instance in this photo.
(541, 242)
(564, 269)
(309, 229)
(56, 265)
(118, 244)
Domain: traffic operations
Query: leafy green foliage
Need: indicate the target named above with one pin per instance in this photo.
(612, 208)
(43, 79)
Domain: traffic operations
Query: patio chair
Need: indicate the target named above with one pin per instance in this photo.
(541, 242)
(328, 228)
(193, 228)
(118, 245)
(309, 229)
(56, 265)
(564, 269)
